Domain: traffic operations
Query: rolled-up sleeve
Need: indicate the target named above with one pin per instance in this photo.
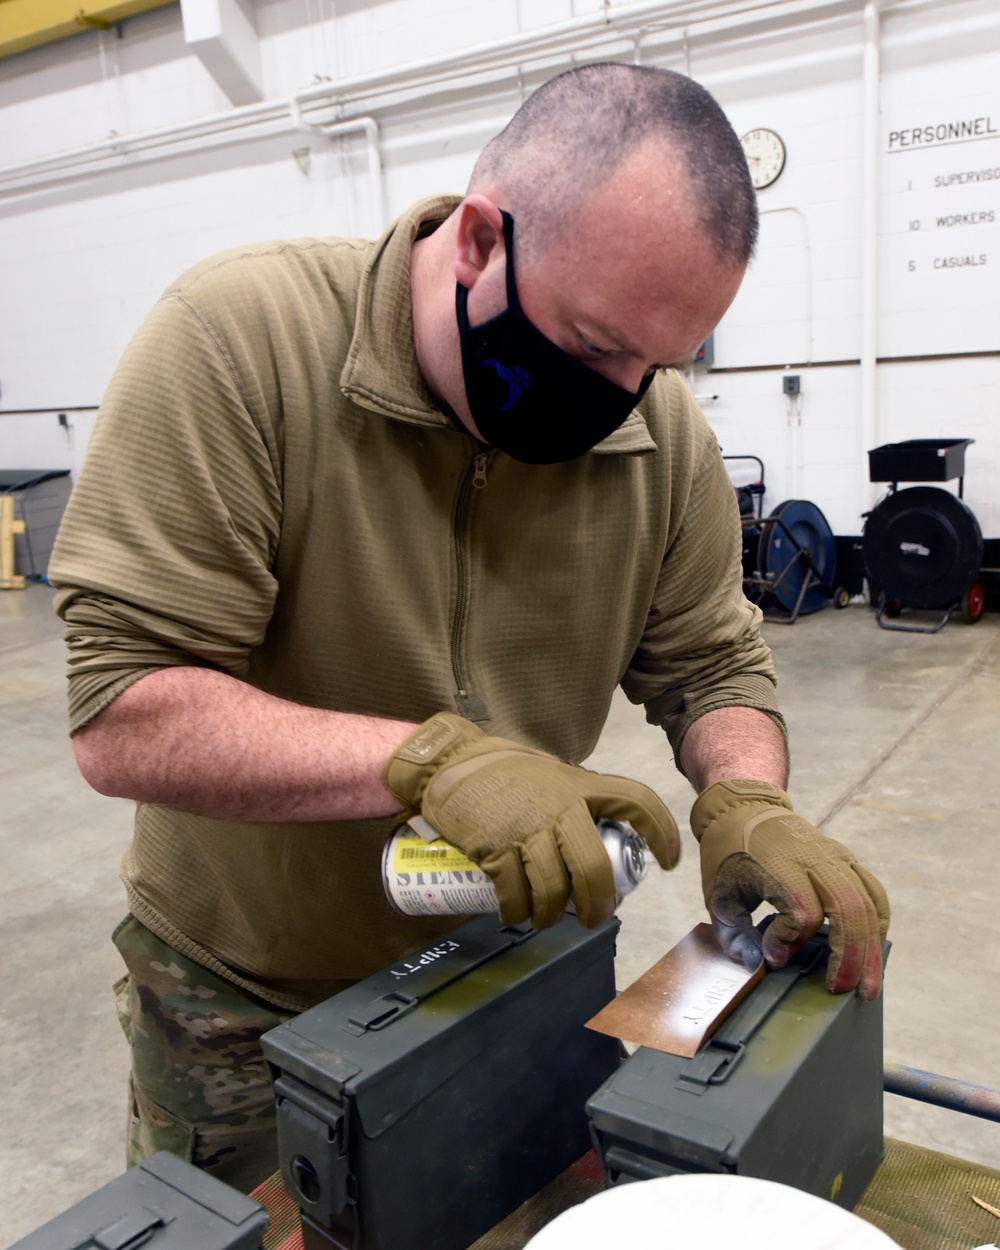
(702, 648)
(165, 553)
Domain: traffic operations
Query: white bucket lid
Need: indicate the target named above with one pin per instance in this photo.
(707, 1212)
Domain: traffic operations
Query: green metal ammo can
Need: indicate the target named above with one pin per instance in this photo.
(163, 1203)
(419, 1107)
(788, 1089)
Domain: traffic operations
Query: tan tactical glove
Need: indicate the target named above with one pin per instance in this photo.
(526, 818)
(754, 847)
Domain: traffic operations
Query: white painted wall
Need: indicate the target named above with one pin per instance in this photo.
(82, 259)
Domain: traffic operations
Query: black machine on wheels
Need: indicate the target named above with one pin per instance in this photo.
(789, 557)
(922, 546)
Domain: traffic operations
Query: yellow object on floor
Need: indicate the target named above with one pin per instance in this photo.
(9, 526)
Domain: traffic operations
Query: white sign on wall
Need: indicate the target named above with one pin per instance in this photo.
(941, 229)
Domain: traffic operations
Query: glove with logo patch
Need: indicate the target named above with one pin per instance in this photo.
(754, 847)
(525, 817)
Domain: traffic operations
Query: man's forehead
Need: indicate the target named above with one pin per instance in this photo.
(651, 298)
(646, 228)
(651, 181)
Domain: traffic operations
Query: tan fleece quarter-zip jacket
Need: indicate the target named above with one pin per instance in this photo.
(270, 490)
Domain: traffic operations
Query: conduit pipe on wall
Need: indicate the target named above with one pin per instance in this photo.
(677, 22)
(808, 278)
(794, 433)
(215, 127)
(869, 233)
(369, 126)
(281, 112)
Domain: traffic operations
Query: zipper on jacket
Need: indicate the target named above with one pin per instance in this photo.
(467, 702)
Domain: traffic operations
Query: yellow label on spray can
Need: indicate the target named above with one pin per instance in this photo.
(433, 878)
(424, 875)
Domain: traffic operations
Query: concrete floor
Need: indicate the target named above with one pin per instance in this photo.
(894, 751)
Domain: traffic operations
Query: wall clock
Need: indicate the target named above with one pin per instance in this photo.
(765, 155)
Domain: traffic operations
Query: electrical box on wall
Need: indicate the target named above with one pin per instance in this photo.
(791, 383)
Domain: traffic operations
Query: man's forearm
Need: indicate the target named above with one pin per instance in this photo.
(734, 742)
(196, 739)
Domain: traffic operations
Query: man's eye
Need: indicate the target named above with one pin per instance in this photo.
(592, 349)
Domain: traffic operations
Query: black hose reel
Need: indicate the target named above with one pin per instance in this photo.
(922, 546)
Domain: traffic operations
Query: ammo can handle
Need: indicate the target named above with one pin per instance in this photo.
(413, 981)
(718, 1058)
(756, 1007)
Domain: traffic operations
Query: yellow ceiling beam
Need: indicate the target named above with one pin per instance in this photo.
(28, 24)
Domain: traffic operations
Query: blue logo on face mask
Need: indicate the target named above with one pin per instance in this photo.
(518, 380)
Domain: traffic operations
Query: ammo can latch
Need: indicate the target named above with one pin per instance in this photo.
(380, 1012)
(711, 1066)
(312, 1131)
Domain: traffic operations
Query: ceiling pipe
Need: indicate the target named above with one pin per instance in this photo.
(620, 21)
(657, 20)
(673, 22)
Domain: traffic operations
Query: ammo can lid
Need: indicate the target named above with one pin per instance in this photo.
(370, 1043)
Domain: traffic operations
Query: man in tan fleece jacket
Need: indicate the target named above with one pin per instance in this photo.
(378, 527)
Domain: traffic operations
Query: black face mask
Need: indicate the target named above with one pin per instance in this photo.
(528, 397)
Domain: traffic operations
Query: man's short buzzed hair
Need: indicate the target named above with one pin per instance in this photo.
(571, 135)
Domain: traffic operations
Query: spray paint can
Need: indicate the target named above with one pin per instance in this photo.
(424, 875)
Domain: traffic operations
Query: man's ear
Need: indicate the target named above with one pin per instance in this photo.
(479, 237)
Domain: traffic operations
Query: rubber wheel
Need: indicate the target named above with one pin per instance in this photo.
(841, 597)
(973, 602)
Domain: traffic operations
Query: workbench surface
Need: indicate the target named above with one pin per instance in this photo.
(921, 1199)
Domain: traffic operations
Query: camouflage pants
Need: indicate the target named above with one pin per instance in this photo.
(199, 1085)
